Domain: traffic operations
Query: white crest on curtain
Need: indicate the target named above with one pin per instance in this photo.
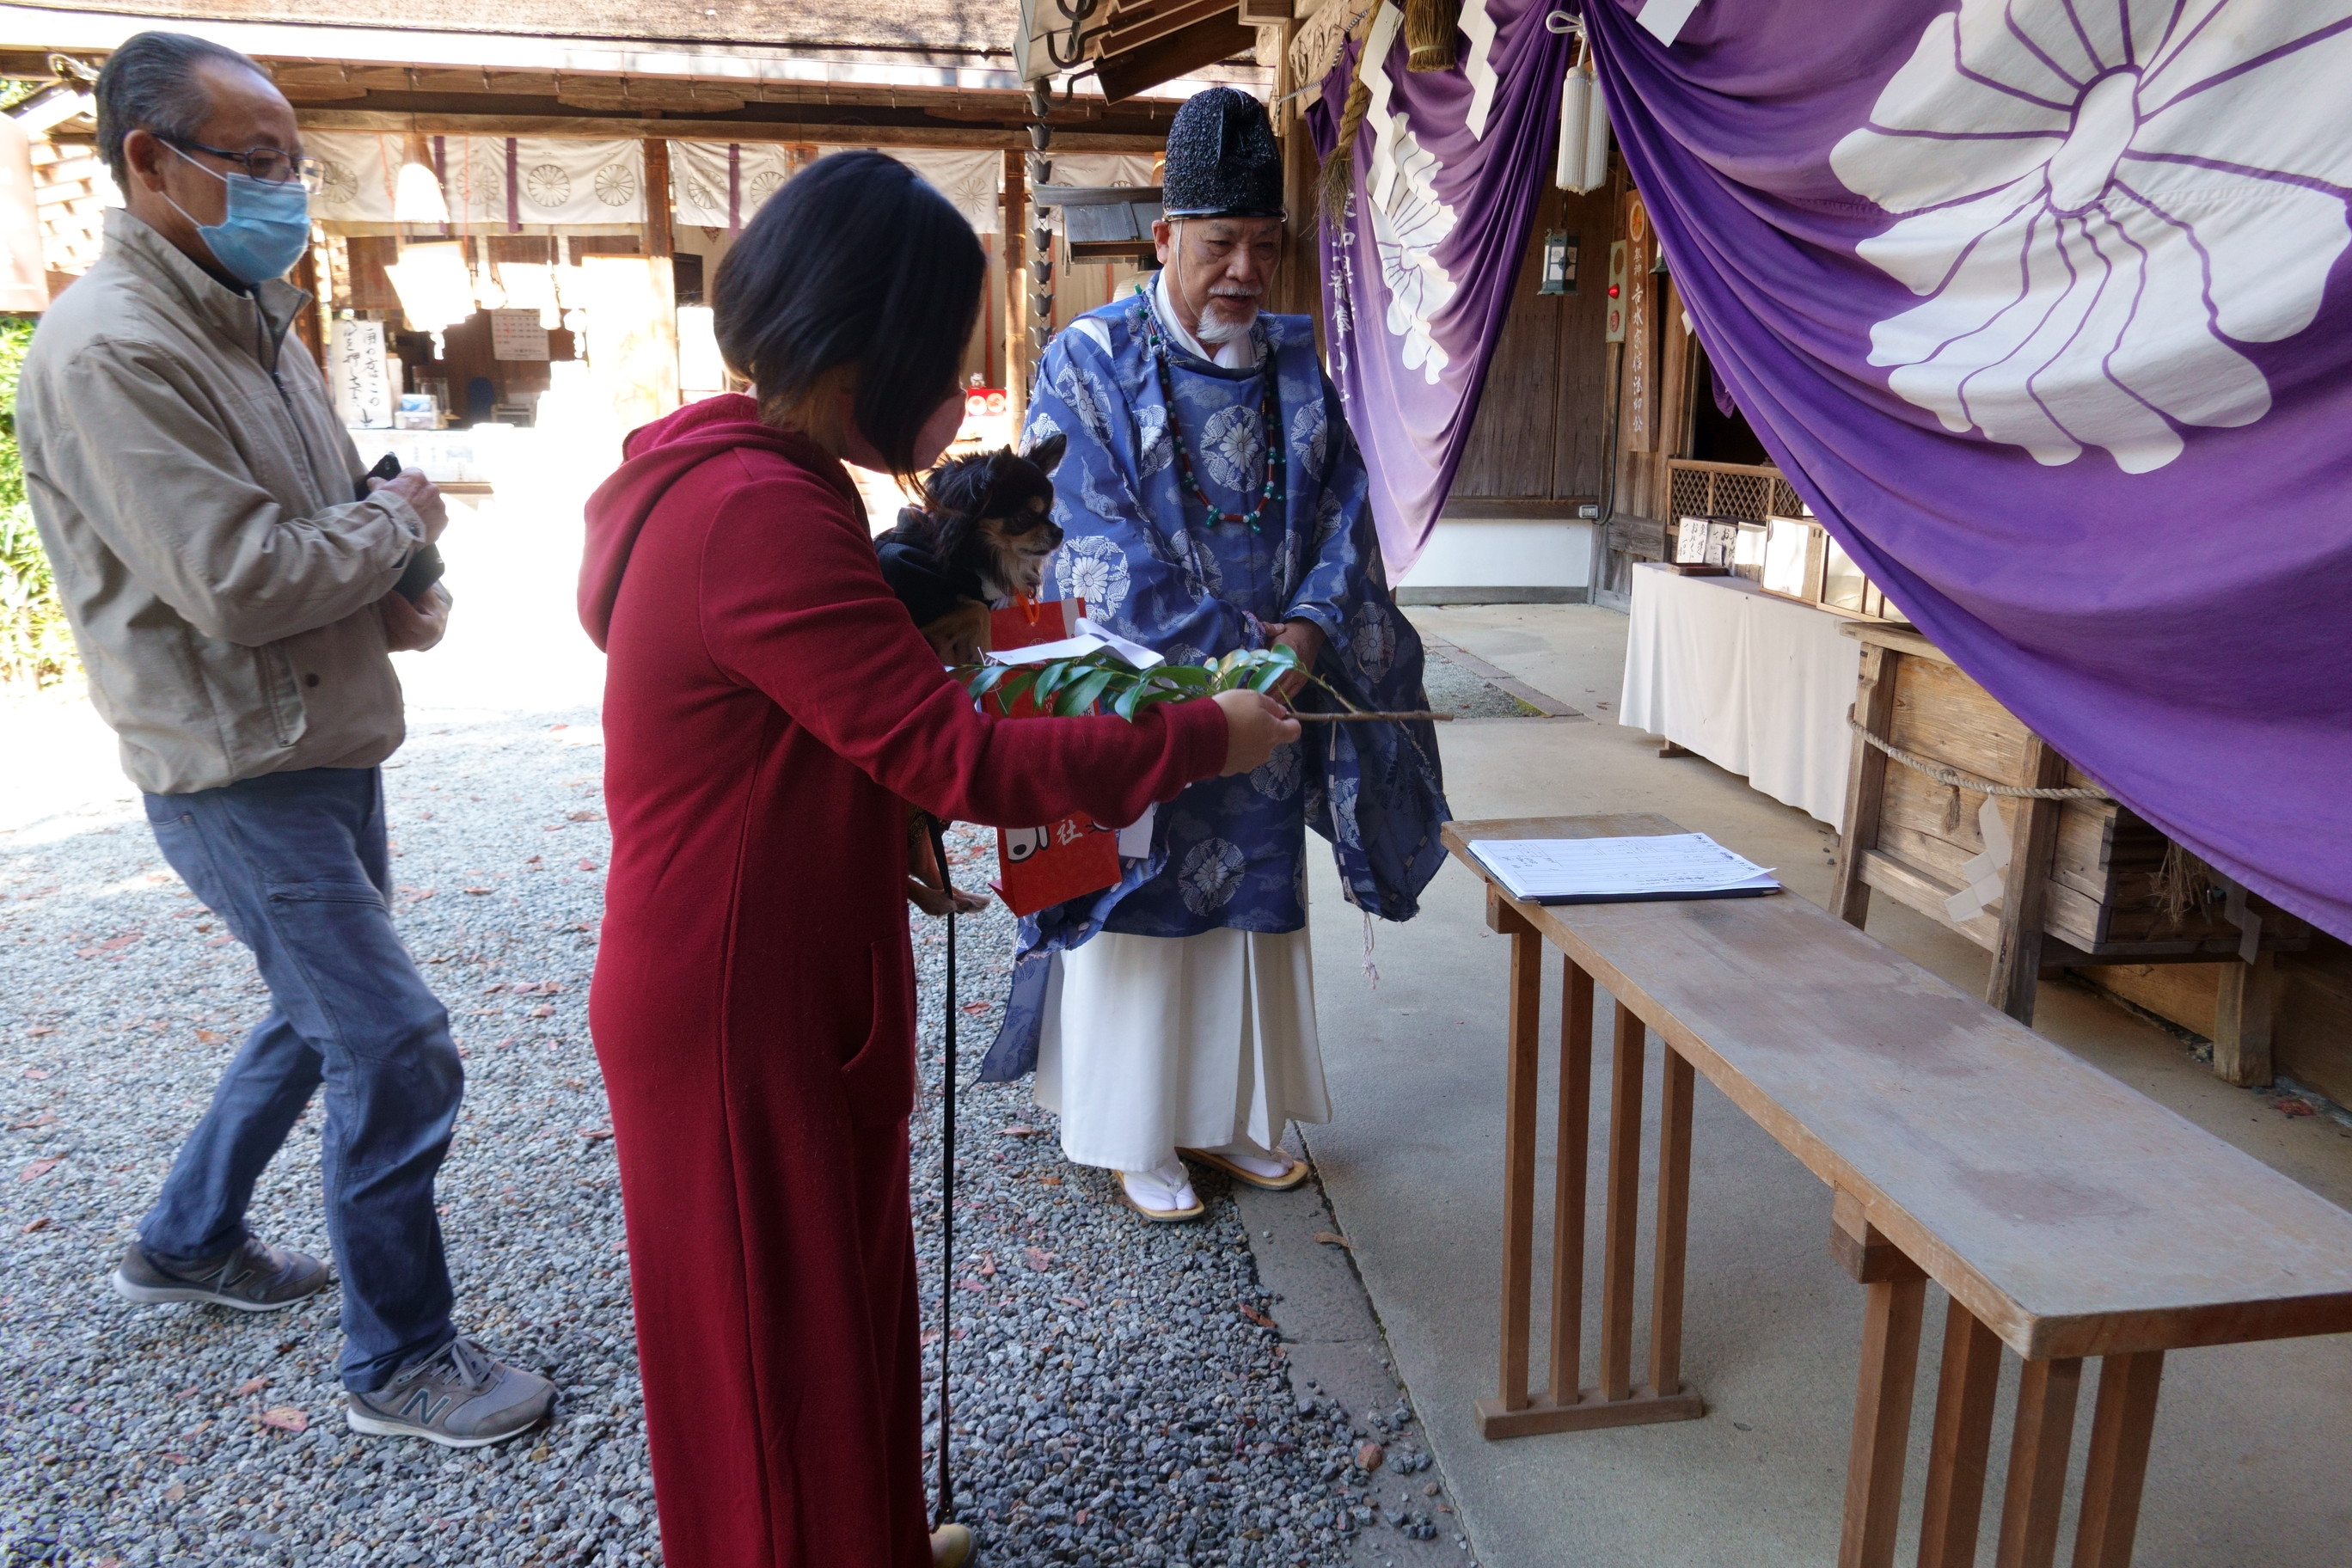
(2099, 198)
(970, 179)
(700, 177)
(360, 170)
(560, 180)
(1409, 221)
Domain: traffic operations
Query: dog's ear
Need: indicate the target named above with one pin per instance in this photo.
(1048, 453)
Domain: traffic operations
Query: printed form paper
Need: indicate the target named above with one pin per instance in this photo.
(1666, 865)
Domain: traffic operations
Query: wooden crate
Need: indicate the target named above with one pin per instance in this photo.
(2083, 876)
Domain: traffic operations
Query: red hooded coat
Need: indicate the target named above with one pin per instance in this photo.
(767, 702)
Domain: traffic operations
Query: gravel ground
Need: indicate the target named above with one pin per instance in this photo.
(1454, 689)
(1121, 1395)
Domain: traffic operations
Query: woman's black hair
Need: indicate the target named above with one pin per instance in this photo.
(857, 257)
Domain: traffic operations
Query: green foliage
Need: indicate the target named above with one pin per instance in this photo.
(1069, 687)
(36, 646)
(14, 90)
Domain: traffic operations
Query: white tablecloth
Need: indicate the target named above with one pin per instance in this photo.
(1756, 684)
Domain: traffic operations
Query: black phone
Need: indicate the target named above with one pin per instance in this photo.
(424, 567)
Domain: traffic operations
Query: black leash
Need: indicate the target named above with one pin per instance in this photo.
(947, 1181)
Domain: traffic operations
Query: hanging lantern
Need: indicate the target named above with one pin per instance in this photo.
(417, 198)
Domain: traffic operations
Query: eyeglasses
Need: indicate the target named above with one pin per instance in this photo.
(268, 164)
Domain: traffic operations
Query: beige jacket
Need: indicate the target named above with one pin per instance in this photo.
(193, 489)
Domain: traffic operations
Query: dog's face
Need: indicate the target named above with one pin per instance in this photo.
(1004, 504)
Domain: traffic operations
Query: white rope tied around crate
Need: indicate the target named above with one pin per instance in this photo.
(1954, 779)
(1983, 874)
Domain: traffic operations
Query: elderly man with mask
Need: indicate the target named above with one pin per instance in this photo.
(232, 585)
(1214, 500)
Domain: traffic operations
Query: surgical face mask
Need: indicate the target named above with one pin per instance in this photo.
(264, 230)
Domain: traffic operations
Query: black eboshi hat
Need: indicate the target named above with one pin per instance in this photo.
(1222, 159)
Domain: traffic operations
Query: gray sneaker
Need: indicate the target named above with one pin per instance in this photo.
(458, 1397)
(253, 1277)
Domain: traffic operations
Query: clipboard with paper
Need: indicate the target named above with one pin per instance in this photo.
(1620, 871)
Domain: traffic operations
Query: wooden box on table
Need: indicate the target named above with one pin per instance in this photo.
(2085, 882)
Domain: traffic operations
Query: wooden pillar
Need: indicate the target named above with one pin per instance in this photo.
(1882, 1406)
(1518, 1147)
(1571, 1155)
(1017, 287)
(2033, 841)
(2036, 1491)
(661, 275)
(310, 324)
(2242, 1011)
(1961, 1443)
(1672, 1248)
(660, 240)
(1866, 786)
(2121, 1425)
(1623, 1213)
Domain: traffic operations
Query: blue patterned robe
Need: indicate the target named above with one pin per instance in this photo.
(1231, 853)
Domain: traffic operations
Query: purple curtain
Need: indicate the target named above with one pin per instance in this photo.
(1420, 264)
(2046, 308)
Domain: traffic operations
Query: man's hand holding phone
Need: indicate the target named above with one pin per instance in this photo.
(423, 496)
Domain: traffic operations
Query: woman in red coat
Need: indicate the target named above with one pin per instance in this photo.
(768, 705)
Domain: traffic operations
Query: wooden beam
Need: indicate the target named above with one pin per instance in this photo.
(1135, 27)
(1203, 44)
(588, 126)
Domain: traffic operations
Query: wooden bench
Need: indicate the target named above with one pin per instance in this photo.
(2067, 1215)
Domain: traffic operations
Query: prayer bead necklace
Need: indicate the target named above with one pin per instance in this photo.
(1270, 494)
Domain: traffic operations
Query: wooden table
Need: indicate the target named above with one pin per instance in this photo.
(2067, 1215)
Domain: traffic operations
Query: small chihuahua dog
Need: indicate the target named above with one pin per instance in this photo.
(981, 535)
(987, 525)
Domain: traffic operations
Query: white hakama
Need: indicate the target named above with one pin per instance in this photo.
(1152, 1044)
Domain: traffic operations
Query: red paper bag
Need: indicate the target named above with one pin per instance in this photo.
(1037, 867)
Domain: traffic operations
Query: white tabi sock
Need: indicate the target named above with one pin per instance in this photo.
(1166, 1188)
(1257, 1162)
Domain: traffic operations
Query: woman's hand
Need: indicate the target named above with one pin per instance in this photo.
(1254, 725)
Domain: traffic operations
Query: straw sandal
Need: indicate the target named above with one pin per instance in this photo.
(1282, 1184)
(1158, 1216)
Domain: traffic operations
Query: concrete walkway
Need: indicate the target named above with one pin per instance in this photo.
(2248, 1463)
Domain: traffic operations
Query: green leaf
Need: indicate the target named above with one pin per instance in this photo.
(1080, 697)
(1127, 702)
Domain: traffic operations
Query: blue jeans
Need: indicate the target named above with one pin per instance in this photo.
(295, 864)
